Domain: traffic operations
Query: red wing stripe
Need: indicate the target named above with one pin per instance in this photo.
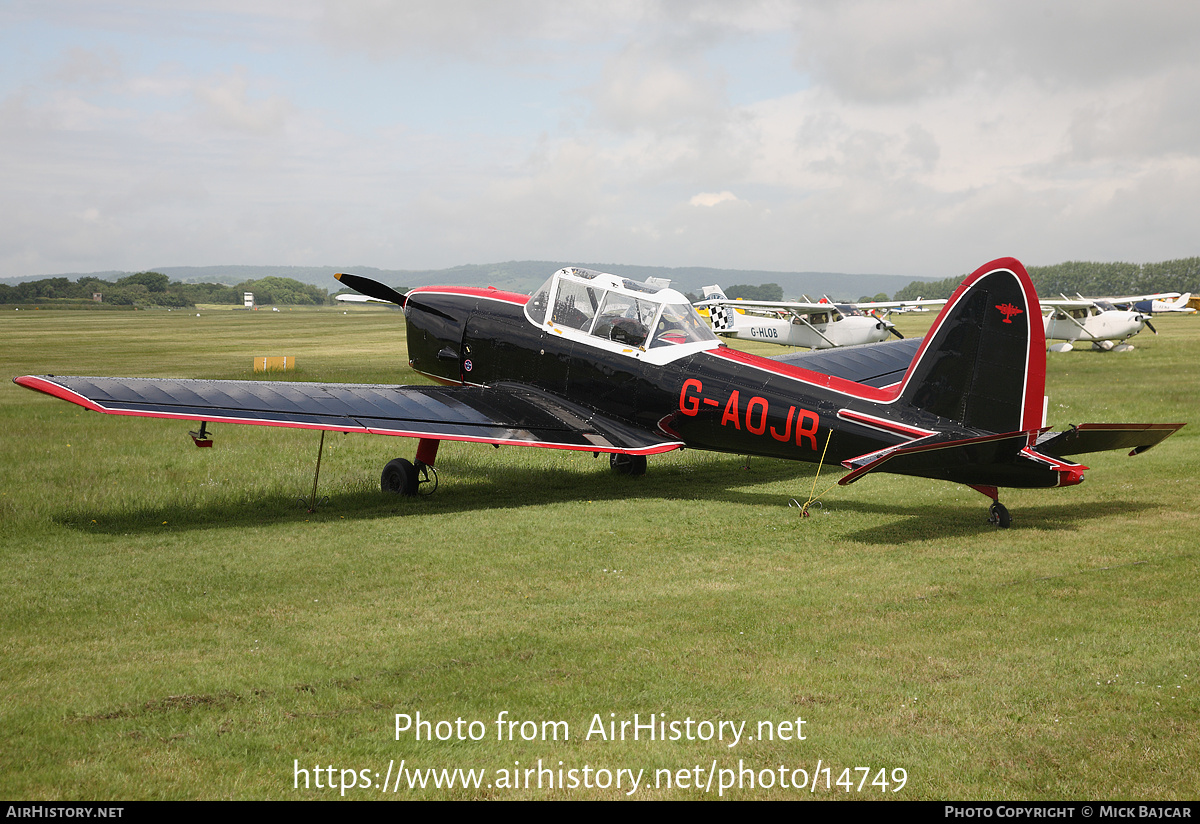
(61, 392)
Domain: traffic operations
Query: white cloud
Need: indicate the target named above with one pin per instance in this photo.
(646, 89)
(878, 50)
(227, 101)
(81, 66)
(482, 30)
(713, 198)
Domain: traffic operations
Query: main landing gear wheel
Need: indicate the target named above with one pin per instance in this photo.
(999, 516)
(402, 477)
(632, 465)
(399, 477)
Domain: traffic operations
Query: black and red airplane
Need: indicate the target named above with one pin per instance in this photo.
(599, 363)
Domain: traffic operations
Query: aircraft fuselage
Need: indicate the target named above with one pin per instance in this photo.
(716, 398)
(844, 331)
(1092, 325)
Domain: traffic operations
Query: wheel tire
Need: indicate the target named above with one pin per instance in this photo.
(999, 516)
(399, 477)
(631, 465)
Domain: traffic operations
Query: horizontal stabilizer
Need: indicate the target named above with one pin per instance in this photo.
(931, 457)
(1098, 437)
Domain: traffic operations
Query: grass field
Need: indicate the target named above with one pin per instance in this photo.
(176, 626)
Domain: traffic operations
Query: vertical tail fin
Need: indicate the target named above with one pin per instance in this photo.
(983, 362)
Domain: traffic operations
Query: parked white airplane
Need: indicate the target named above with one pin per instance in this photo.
(1162, 305)
(819, 325)
(1096, 321)
(918, 305)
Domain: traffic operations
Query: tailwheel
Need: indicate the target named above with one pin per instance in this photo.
(999, 516)
(632, 465)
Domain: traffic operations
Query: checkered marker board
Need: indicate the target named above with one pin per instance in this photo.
(720, 318)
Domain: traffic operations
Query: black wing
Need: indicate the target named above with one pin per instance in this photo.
(499, 414)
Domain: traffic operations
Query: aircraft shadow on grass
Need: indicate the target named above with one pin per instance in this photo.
(721, 481)
(954, 522)
(501, 488)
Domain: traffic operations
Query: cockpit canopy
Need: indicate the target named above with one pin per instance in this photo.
(616, 309)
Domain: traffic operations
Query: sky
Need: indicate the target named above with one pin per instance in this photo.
(910, 137)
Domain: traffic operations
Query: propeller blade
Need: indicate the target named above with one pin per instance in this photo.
(895, 332)
(1150, 326)
(371, 288)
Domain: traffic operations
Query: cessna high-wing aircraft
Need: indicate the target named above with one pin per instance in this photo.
(598, 363)
(1162, 304)
(1096, 321)
(820, 325)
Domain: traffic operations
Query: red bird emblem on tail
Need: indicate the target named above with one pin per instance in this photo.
(1009, 310)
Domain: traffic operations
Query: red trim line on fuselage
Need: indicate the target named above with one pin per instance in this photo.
(490, 293)
(846, 387)
(883, 425)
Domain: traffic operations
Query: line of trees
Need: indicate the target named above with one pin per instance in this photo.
(156, 289)
(766, 291)
(1089, 279)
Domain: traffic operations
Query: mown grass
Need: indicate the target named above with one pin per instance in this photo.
(175, 625)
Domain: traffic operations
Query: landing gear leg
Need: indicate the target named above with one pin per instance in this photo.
(427, 477)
